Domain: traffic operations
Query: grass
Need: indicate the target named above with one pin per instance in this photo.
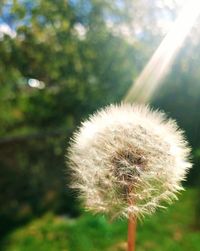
(169, 230)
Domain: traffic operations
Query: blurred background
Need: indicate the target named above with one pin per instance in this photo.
(60, 61)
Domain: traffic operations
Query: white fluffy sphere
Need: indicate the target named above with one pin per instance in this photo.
(127, 159)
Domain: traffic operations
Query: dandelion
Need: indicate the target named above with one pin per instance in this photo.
(127, 160)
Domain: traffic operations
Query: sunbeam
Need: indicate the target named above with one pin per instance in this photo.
(159, 64)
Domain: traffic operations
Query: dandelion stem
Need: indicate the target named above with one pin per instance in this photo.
(131, 233)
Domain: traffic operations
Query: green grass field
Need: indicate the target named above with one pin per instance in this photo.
(167, 230)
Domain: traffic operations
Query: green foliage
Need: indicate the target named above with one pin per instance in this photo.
(78, 70)
(168, 230)
(32, 180)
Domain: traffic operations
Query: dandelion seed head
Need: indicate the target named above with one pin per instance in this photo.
(128, 159)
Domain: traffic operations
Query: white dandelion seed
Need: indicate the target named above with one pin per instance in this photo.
(128, 160)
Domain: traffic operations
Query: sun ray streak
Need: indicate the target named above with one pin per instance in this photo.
(159, 64)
